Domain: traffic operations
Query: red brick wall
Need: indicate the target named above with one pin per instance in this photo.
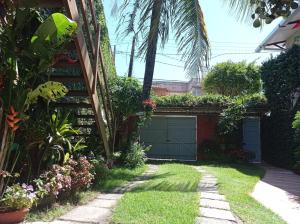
(206, 130)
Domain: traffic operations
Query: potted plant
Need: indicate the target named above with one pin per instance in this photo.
(16, 202)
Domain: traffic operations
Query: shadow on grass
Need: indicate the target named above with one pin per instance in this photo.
(245, 168)
(166, 186)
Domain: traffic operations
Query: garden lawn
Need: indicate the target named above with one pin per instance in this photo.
(116, 177)
(236, 182)
(169, 197)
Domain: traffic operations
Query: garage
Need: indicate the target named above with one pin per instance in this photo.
(171, 137)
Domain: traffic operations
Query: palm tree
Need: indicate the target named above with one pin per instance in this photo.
(186, 19)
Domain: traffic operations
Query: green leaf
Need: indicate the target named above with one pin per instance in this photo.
(51, 34)
(49, 91)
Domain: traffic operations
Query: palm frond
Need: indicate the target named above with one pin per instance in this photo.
(129, 13)
(191, 35)
(242, 8)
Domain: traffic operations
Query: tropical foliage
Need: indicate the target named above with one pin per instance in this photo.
(281, 89)
(28, 44)
(233, 79)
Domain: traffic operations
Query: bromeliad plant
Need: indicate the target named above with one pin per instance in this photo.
(56, 147)
(27, 48)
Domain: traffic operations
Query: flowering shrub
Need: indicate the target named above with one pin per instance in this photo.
(149, 105)
(80, 173)
(54, 181)
(18, 196)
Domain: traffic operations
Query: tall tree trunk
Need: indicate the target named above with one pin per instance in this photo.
(152, 47)
(131, 57)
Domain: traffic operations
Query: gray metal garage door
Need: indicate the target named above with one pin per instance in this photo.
(171, 138)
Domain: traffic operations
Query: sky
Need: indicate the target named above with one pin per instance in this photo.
(230, 39)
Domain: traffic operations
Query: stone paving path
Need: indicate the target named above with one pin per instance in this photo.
(214, 209)
(100, 210)
(279, 191)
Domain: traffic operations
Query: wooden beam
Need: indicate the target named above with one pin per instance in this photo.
(63, 78)
(42, 3)
(92, 9)
(66, 65)
(86, 23)
(78, 93)
(73, 105)
(96, 56)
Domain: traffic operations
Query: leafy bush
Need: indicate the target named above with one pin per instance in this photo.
(99, 170)
(136, 155)
(81, 175)
(125, 95)
(281, 81)
(233, 79)
(213, 151)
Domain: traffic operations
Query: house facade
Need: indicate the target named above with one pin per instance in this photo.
(284, 36)
(173, 87)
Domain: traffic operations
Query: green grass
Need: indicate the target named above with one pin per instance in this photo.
(116, 177)
(236, 182)
(169, 197)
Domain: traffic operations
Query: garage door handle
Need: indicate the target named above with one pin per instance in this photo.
(168, 140)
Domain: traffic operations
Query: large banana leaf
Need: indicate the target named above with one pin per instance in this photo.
(52, 33)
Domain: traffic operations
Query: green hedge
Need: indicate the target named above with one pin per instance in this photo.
(188, 100)
(280, 80)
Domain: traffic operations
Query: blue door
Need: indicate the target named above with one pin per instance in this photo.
(251, 137)
(171, 138)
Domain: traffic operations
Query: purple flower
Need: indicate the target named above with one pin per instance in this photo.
(31, 195)
(24, 186)
(29, 188)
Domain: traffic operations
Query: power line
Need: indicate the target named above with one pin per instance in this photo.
(165, 63)
(239, 53)
(218, 55)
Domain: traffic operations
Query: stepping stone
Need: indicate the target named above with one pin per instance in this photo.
(208, 185)
(216, 214)
(208, 189)
(212, 196)
(203, 220)
(87, 214)
(208, 203)
(102, 203)
(110, 196)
